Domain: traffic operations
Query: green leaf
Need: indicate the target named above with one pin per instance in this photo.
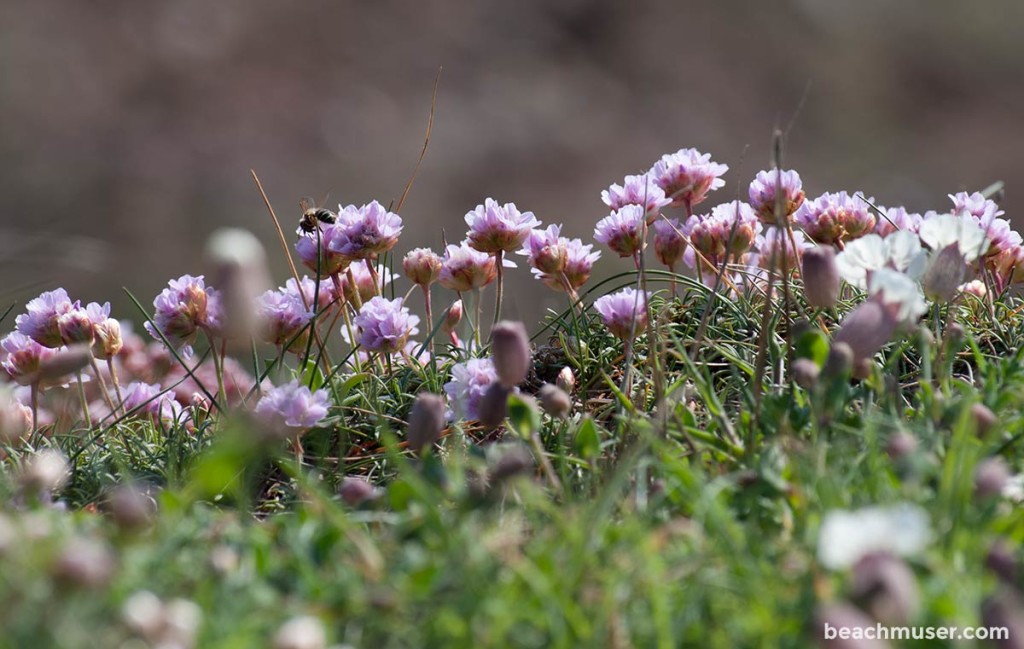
(587, 442)
(813, 345)
(524, 416)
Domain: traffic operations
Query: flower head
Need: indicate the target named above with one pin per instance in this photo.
(385, 325)
(364, 282)
(498, 228)
(40, 322)
(730, 230)
(182, 309)
(283, 319)
(465, 268)
(896, 218)
(151, 399)
(306, 292)
(422, 266)
(832, 218)
(944, 230)
(365, 232)
(763, 197)
(622, 230)
(669, 241)
(321, 250)
(624, 313)
(468, 384)
(22, 357)
(899, 294)
(79, 325)
(293, 406)
(687, 175)
(899, 251)
(637, 190)
(545, 250)
(982, 209)
(774, 245)
(847, 536)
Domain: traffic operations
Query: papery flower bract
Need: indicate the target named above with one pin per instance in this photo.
(283, 319)
(365, 232)
(22, 357)
(79, 324)
(687, 175)
(306, 292)
(622, 230)
(729, 230)
(321, 250)
(385, 325)
(468, 384)
(422, 266)
(669, 241)
(944, 230)
(624, 313)
(640, 190)
(1008, 266)
(185, 307)
(900, 294)
(982, 209)
(497, 228)
(900, 251)
(152, 400)
(763, 198)
(464, 269)
(364, 282)
(896, 218)
(774, 246)
(293, 406)
(838, 217)
(845, 537)
(545, 250)
(40, 320)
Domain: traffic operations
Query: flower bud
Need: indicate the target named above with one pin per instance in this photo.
(239, 271)
(426, 421)
(422, 266)
(840, 360)
(64, 363)
(84, 562)
(885, 587)
(566, 380)
(514, 460)
(862, 368)
(453, 317)
(944, 274)
(554, 400)
(130, 508)
(1001, 561)
(990, 476)
(821, 276)
(108, 343)
(493, 406)
(954, 334)
(510, 350)
(975, 288)
(306, 632)
(805, 373)
(356, 491)
(75, 326)
(984, 418)
(901, 445)
(46, 471)
(866, 329)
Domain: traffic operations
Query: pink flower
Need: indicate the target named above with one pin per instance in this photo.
(464, 268)
(364, 282)
(762, 194)
(622, 230)
(896, 218)
(422, 266)
(637, 190)
(774, 245)
(579, 263)
(320, 250)
(183, 309)
(498, 228)
(730, 230)
(305, 291)
(79, 325)
(669, 241)
(22, 357)
(468, 384)
(546, 250)
(833, 218)
(41, 320)
(187, 391)
(982, 209)
(283, 319)
(365, 232)
(150, 399)
(624, 313)
(293, 406)
(687, 175)
(385, 325)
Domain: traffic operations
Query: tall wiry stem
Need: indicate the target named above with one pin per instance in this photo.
(499, 267)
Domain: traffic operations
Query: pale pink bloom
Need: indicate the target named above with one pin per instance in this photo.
(687, 175)
(836, 218)
(763, 197)
(545, 250)
(497, 228)
(40, 322)
(624, 313)
(385, 325)
(640, 190)
(293, 406)
(468, 384)
(669, 241)
(622, 230)
(464, 268)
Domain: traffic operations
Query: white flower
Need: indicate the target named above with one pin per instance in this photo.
(944, 230)
(898, 292)
(901, 251)
(1014, 488)
(845, 537)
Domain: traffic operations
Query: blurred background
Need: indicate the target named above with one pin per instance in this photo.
(127, 129)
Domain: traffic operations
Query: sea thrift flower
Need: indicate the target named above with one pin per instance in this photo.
(77, 327)
(304, 632)
(283, 319)
(364, 282)
(184, 308)
(896, 218)
(579, 263)
(45, 471)
(836, 218)
(422, 266)
(385, 325)
(1008, 266)
(865, 330)
(962, 232)
(983, 210)
(426, 421)
(150, 399)
(464, 268)
(624, 313)
(762, 194)
(687, 175)
(730, 230)
(821, 277)
(307, 294)
(293, 406)
(900, 295)
(367, 231)
(467, 386)
(321, 250)
(669, 241)
(40, 323)
(775, 247)
(848, 536)
(22, 357)
(495, 228)
(510, 350)
(15, 417)
(900, 251)
(637, 190)
(622, 230)
(545, 250)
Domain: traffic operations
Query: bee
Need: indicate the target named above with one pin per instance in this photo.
(312, 214)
